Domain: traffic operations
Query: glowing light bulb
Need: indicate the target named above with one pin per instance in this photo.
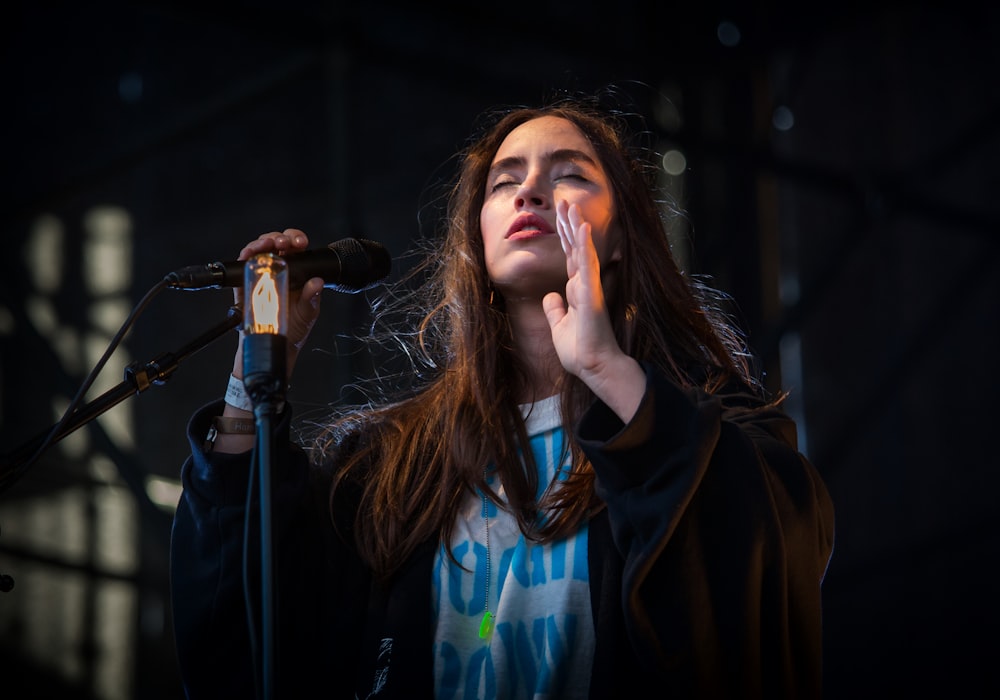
(266, 294)
(265, 320)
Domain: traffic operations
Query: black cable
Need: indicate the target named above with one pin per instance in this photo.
(262, 415)
(247, 597)
(7, 480)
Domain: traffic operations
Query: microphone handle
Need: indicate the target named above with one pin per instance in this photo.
(350, 265)
(314, 263)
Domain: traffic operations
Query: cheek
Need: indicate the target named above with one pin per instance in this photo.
(491, 229)
(487, 224)
(606, 236)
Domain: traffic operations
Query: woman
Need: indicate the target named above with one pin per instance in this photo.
(584, 494)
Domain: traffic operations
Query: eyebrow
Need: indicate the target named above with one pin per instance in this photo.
(557, 156)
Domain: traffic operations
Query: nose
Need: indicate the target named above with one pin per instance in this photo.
(532, 192)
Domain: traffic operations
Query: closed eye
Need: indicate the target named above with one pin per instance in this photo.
(501, 184)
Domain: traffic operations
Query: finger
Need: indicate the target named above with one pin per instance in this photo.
(280, 242)
(265, 243)
(554, 307)
(562, 226)
(575, 218)
(583, 239)
(572, 259)
(310, 296)
(308, 301)
(297, 239)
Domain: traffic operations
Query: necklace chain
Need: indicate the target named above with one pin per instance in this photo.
(486, 624)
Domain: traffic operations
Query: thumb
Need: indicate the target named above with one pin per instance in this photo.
(304, 312)
(554, 307)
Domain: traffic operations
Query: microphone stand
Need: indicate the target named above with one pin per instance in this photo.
(137, 380)
(264, 365)
(264, 362)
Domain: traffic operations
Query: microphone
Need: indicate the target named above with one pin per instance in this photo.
(349, 265)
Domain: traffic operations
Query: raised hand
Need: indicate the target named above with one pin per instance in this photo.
(581, 327)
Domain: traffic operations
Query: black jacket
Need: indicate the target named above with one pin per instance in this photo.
(705, 567)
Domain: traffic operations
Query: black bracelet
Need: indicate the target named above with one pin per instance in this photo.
(228, 425)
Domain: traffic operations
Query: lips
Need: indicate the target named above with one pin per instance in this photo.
(528, 225)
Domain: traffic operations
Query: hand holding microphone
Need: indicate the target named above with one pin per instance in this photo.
(349, 265)
(303, 294)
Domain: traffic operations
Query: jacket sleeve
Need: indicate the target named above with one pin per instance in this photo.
(319, 590)
(725, 531)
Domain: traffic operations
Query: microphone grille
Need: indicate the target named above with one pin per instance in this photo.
(363, 264)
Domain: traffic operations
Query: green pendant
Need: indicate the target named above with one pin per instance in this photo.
(486, 626)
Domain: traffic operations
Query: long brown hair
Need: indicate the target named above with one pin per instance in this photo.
(412, 461)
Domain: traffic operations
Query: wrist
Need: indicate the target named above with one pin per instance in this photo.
(231, 433)
(238, 398)
(292, 354)
(620, 384)
(236, 394)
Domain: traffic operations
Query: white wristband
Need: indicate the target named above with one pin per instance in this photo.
(236, 395)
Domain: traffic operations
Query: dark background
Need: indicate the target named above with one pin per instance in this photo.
(860, 244)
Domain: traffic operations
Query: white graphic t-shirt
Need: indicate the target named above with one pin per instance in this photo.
(542, 642)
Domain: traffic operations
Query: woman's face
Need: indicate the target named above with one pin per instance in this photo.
(540, 163)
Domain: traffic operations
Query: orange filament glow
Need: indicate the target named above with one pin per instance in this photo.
(265, 304)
